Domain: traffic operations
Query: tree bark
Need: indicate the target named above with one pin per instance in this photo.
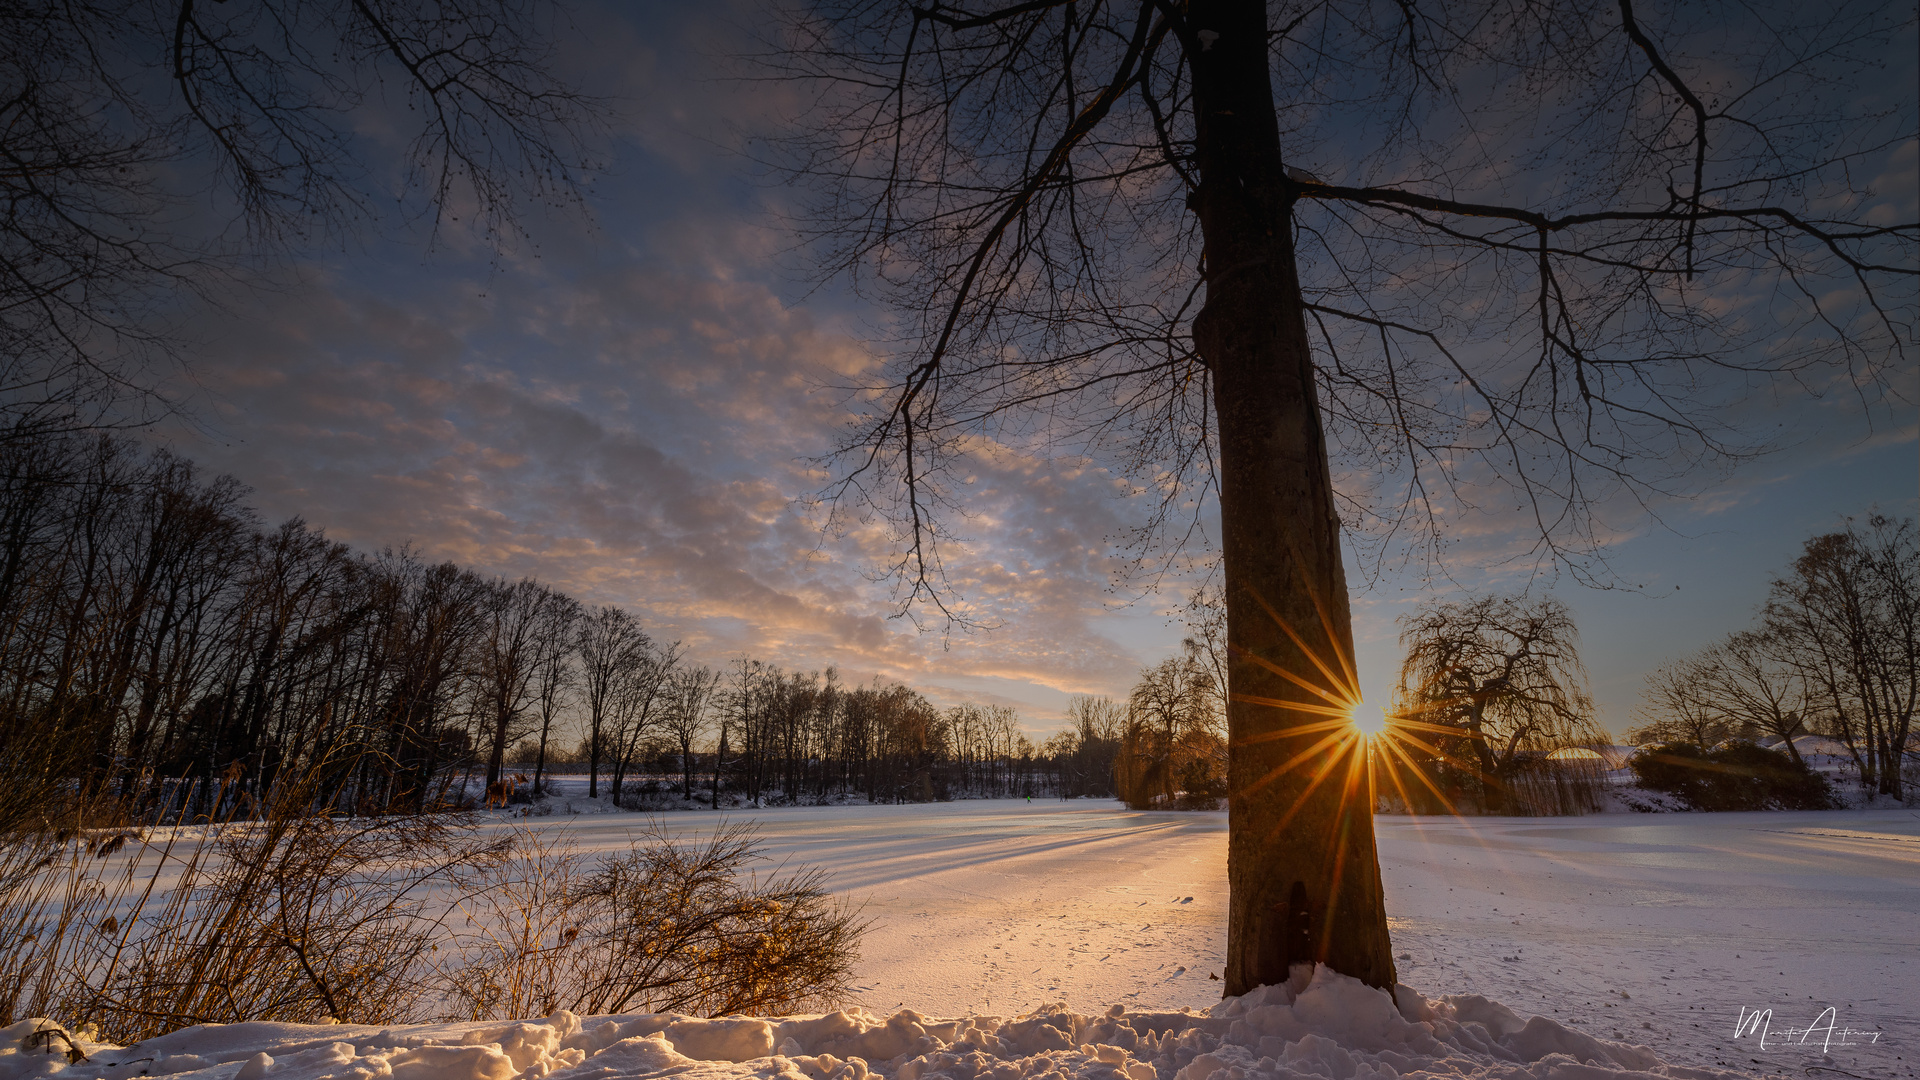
(1303, 875)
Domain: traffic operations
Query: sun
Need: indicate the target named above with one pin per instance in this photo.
(1368, 720)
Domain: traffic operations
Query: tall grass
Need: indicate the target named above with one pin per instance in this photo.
(1534, 785)
(1541, 787)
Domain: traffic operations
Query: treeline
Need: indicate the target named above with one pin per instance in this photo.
(775, 735)
(1834, 652)
(161, 646)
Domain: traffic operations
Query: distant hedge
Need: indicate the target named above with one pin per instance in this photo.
(1733, 776)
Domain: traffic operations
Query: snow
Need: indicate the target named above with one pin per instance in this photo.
(1329, 1028)
(1001, 905)
(1660, 927)
(1065, 939)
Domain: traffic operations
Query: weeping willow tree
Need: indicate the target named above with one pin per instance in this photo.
(1507, 256)
(1501, 674)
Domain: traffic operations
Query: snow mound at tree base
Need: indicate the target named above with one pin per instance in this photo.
(1327, 1028)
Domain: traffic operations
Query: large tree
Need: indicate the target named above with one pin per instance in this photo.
(1496, 254)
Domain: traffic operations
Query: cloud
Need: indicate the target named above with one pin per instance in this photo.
(629, 408)
(638, 435)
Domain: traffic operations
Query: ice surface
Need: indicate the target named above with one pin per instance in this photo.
(1332, 1029)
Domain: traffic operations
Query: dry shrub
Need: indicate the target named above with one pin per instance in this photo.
(512, 958)
(295, 917)
(665, 927)
(301, 917)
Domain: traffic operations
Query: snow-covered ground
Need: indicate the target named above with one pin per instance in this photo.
(1663, 927)
(1660, 927)
(1656, 930)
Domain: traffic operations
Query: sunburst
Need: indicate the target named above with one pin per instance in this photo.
(1344, 736)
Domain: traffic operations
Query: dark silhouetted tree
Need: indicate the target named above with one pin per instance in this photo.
(1495, 254)
(1502, 673)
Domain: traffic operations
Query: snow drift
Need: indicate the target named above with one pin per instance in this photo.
(1331, 1028)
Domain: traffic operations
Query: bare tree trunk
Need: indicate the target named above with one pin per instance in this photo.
(1304, 879)
(686, 764)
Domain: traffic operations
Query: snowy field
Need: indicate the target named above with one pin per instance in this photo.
(1656, 928)
(1650, 933)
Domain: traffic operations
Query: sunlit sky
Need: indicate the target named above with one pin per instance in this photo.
(628, 407)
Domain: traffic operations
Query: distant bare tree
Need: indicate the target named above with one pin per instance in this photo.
(1503, 672)
(554, 674)
(1086, 750)
(1760, 689)
(1682, 703)
(1172, 735)
(639, 701)
(1848, 615)
(519, 621)
(689, 692)
(610, 646)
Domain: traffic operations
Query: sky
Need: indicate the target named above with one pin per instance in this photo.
(632, 406)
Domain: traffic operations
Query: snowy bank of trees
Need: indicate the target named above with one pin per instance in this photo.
(807, 737)
(1835, 652)
(160, 644)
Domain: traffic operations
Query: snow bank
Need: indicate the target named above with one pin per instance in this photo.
(1333, 1028)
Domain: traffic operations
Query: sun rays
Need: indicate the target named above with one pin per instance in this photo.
(1337, 737)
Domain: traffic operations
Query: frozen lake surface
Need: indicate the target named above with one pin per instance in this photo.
(1074, 941)
(1655, 929)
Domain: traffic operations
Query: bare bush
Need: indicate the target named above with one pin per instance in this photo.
(295, 917)
(303, 918)
(666, 927)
